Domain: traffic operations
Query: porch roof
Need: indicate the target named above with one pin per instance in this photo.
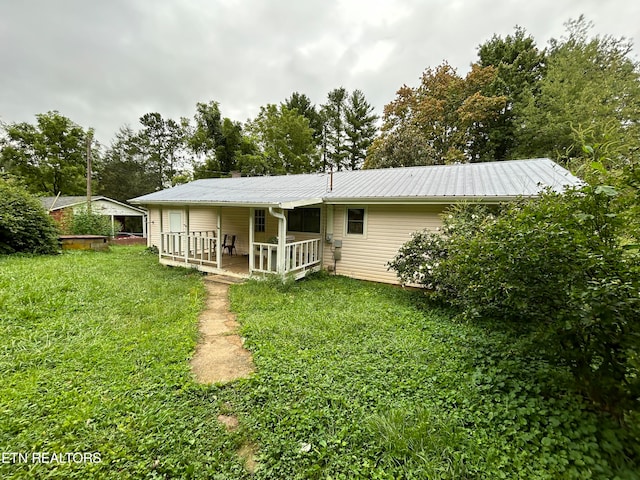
(492, 181)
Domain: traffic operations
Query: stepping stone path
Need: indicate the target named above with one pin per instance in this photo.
(220, 355)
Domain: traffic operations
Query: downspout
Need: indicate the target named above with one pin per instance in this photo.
(282, 239)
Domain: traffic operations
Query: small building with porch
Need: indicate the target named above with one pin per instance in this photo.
(133, 218)
(349, 222)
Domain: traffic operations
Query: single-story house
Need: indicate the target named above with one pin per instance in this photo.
(117, 211)
(349, 222)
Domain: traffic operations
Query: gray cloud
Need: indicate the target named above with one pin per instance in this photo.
(104, 64)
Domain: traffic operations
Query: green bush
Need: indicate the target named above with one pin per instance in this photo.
(557, 266)
(24, 224)
(84, 222)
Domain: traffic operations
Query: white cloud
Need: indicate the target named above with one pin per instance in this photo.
(104, 64)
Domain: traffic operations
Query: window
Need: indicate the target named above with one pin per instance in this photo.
(355, 221)
(175, 222)
(259, 221)
(304, 220)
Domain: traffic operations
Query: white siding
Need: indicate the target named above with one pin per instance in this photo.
(387, 228)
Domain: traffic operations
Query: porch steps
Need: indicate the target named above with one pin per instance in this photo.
(225, 279)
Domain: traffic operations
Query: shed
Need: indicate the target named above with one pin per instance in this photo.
(57, 206)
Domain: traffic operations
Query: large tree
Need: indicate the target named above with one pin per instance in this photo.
(589, 94)
(123, 172)
(49, 156)
(285, 142)
(161, 142)
(446, 111)
(219, 140)
(360, 129)
(302, 104)
(520, 65)
(334, 153)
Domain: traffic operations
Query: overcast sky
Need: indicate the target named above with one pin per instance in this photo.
(105, 63)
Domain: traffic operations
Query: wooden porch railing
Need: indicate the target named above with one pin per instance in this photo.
(298, 256)
(192, 248)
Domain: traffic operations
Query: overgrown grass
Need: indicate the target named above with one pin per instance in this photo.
(353, 381)
(94, 358)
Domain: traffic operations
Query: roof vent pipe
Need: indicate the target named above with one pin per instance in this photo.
(331, 180)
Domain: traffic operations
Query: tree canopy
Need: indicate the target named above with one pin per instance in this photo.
(446, 111)
(50, 156)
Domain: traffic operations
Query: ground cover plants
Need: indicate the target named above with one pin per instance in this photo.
(354, 380)
(563, 267)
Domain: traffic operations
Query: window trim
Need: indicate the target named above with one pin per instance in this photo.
(365, 215)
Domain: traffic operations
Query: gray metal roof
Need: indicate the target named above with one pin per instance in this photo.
(490, 181)
(56, 203)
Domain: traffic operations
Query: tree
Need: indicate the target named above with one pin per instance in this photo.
(285, 142)
(302, 104)
(50, 156)
(520, 65)
(334, 133)
(591, 89)
(404, 146)
(220, 140)
(24, 224)
(161, 142)
(360, 128)
(446, 110)
(123, 172)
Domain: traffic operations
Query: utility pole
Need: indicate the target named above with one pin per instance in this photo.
(89, 135)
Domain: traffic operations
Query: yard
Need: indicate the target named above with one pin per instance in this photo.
(353, 381)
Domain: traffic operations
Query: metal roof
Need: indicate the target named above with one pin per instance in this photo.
(490, 181)
(57, 203)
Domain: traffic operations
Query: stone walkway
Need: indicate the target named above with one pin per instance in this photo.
(220, 356)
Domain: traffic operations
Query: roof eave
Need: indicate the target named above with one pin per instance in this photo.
(435, 200)
(284, 205)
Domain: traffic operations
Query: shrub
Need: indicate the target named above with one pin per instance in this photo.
(24, 224)
(556, 265)
(83, 222)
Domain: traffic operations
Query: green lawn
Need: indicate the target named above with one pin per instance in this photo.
(354, 380)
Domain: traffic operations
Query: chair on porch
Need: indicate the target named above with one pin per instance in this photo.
(229, 244)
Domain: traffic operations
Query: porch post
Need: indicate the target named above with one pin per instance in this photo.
(218, 238)
(282, 241)
(161, 235)
(251, 239)
(145, 219)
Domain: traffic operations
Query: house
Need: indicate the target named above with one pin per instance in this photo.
(349, 222)
(117, 211)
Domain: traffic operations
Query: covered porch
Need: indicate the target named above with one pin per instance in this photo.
(256, 242)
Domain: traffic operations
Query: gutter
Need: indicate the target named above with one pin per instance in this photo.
(421, 200)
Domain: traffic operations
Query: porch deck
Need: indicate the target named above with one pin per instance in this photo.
(202, 251)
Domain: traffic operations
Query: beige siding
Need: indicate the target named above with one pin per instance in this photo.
(235, 221)
(202, 219)
(155, 222)
(153, 235)
(387, 228)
